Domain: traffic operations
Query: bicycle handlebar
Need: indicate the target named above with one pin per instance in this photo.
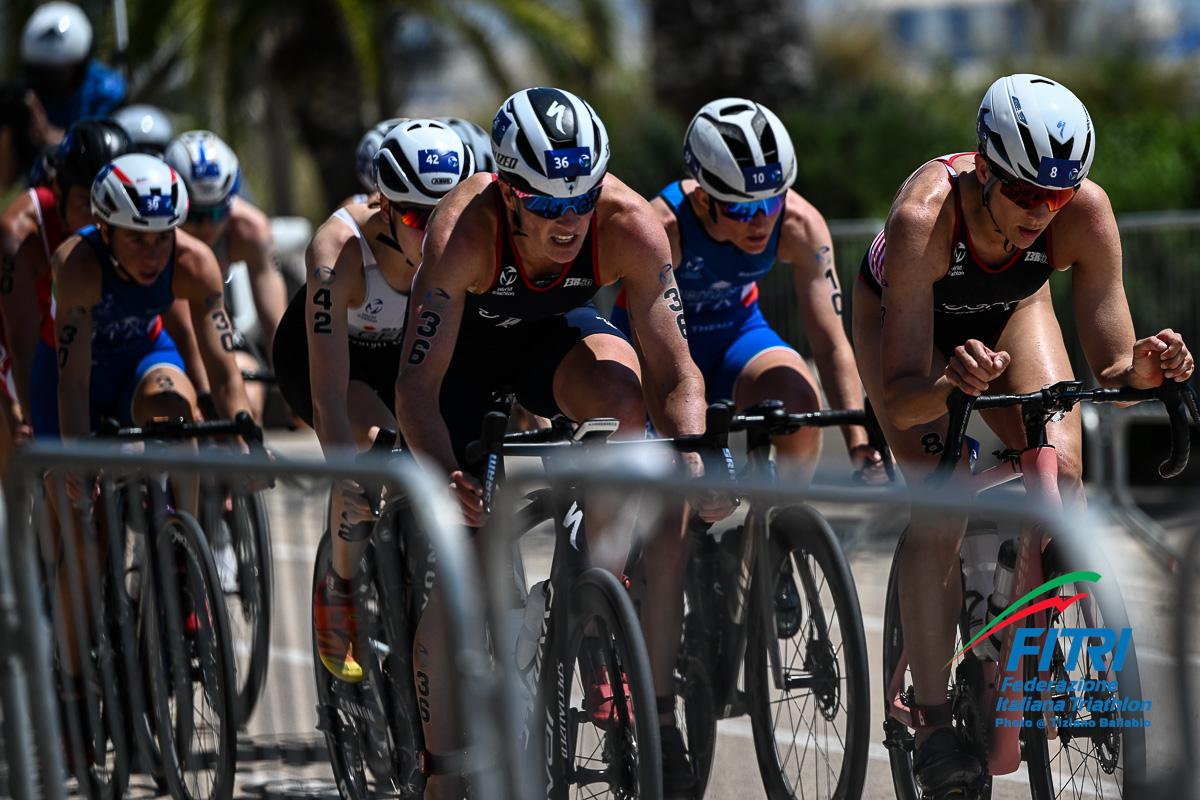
(1178, 399)
(178, 428)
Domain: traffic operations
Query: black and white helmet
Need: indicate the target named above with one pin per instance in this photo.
(476, 140)
(419, 161)
(549, 142)
(364, 155)
(1037, 130)
(738, 150)
(141, 193)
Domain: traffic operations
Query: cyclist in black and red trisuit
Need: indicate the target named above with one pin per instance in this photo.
(954, 294)
(503, 302)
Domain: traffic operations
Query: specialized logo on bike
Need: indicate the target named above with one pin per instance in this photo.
(1058, 650)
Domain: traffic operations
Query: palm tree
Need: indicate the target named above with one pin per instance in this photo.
(319, 72)
(705, 49)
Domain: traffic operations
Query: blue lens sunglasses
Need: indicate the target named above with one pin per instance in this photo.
(554, 207)
(744, 212)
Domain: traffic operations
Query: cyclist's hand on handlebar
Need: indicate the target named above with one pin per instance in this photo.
(1163, 356)
(355, 508)
(469, 493)
(711, 506)
(868, 465)
(973, 366)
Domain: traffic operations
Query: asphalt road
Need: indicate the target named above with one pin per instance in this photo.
(281, 754)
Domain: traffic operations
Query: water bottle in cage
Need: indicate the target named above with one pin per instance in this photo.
(1001, 595)
(979, 551)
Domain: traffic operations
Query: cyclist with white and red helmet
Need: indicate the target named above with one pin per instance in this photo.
(33, 226)
(338, 347)
(236, 231)
(729, 224)
(112, 282)
(953, 294)
(503, 302)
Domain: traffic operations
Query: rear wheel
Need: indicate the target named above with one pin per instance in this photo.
(811, 734)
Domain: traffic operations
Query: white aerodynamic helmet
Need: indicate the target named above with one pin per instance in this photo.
(419, 161)
(476, 139)
(738, 151)
(1037, 130)
(56, 35)
(549, 142)
(141, 193)
(207, 164)
(364, 154)
(148, 128)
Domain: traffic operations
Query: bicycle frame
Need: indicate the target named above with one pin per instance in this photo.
(1037, 466)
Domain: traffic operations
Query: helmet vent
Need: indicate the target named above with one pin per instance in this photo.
(1031, 153)
(739, 108)
(526, 149)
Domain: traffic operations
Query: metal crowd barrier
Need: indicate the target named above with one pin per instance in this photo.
(279, 750)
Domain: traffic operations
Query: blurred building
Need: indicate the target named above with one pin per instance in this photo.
(971, 31)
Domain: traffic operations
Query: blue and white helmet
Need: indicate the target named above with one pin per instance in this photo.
(141, 193)
(364, 155)
(549, 142)
(1037, 130)
(57, 34)
(739, 151)
(207, 165)
(419, 161)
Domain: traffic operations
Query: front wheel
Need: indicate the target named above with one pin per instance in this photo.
(191, 664)
(810, 733)
(601, 697)
(1100, 747)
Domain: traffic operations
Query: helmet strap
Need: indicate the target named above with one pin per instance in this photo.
(986, 197)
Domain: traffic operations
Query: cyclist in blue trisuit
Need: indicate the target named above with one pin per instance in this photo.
(728, 226)
(61, 85)
(236, 230)
(503, 302)
(112, 283)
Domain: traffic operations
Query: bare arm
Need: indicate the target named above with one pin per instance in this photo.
(918, 248)
(1090, 241)
(198, 280)
(23, 262)
(178, 322)
(330, 267)
(456, 255)
(808, 245)
(256, 247)
(639, 246)
(77, 291)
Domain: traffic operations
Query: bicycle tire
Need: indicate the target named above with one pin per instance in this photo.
(601, 610)
(250, 535)
(1113, 749)
(897, 738)
(801, 539)
(363, 761)
(199, 632)
(697, 715)
(107, 781)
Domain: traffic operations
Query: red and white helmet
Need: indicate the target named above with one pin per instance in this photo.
(141, 193)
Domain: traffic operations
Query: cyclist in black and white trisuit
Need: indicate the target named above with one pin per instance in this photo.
(236, 231)
(338, 346)
(503, 302)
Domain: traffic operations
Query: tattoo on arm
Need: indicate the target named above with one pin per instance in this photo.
(214, 300)
(322, 320)
(224, 328)
(70, 330)
(430, 320)
(825, 259)
(8, 269)
(324, 275)
(666, 278)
